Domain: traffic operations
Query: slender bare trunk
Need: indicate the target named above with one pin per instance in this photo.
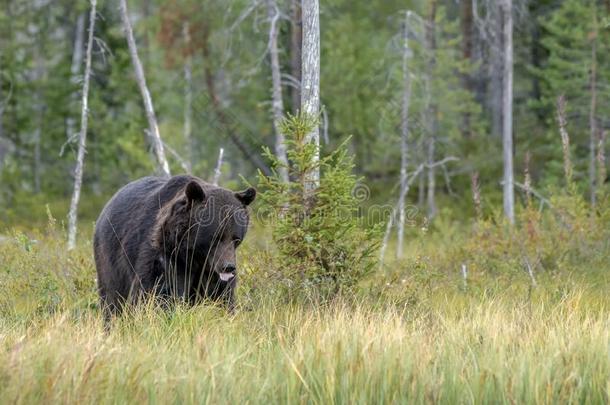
(39, 72)
(592, 112)
(404, 138)
(601, 161)
(496, 95)
(2, 107)
(310, 87)
(467, 45)
(527, 180)
(296, 39)
(276, 90)
(565, 139)
(497, 71)
(80, 161)
(507, 111)
(154, 134)
(218, 169)
(476, 195)
(77, 59)
(431, 189)
(188, 99)
(432, 111)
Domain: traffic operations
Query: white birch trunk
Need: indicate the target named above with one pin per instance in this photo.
(507, 111)
(82, 141)
(296, 41)
(154, 134)
(188, 99)
(404, 138)
(77, 59)
(276, 90)
(310, 87)
(218, 169)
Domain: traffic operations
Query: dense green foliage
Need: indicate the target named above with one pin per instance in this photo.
(325, 245)
(361, 90)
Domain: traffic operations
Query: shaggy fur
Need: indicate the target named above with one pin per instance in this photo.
(173, 237)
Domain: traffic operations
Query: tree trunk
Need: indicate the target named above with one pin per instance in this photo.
(296, 39)
(276, 90)
(154, 134)
(218, 169)
(467, 45)
(431, 189)
(310, 87)
(39, 72)
(188, 99)
(404, 138)
(497, 72)
(3, 151)
(507, 111)
(432, 110)
(80, 161)
(77, 58)
(592, 112)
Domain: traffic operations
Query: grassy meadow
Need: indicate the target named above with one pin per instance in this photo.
(416, 331)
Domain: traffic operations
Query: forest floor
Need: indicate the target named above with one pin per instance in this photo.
(411, 336)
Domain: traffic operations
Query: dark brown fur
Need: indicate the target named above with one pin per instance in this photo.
(173, 237)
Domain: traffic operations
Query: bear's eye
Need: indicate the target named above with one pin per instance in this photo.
(236, 241)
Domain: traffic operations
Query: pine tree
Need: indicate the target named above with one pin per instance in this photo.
(578, 67)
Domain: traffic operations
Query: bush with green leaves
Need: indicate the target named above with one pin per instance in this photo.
(324, 246)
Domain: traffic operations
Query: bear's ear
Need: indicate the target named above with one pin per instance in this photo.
(194, 192)
(247, 196)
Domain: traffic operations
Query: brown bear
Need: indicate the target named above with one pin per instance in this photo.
(171, 237)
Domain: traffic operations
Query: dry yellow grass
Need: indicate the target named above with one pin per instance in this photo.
(416, 344)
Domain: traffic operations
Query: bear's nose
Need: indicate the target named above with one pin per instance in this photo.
(228, 272)
(229, 268)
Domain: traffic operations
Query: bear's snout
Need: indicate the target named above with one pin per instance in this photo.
(227, 273)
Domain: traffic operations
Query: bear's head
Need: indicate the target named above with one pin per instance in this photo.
(202, 226)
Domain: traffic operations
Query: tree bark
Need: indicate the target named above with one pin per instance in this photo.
(467, 46)
(154, 134)
(218, 169)
(80, 161)
(2, 107)
(404, 138)
(296, 39)
(39, 72)
(592, 113)
(432, 110)
(188, 99)
(310, 88)
(497, 72)
(77, 58)
(276, 90)
(507, 110)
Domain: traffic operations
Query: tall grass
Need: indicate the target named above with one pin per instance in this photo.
(419, 338)
(491, 351)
